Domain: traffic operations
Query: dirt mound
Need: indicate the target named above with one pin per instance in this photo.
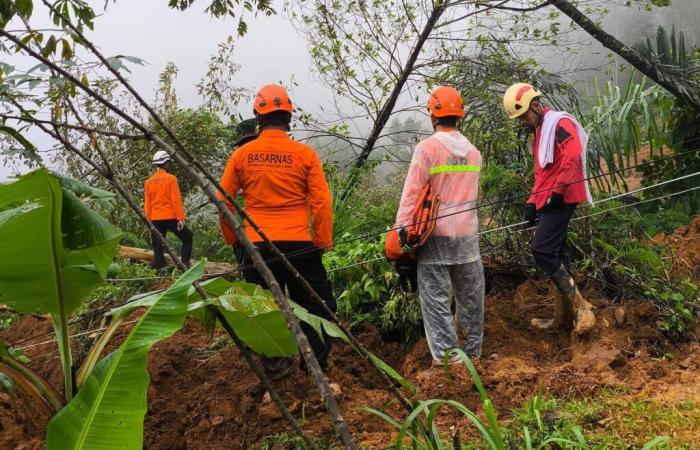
(203, 396)
(684, 248)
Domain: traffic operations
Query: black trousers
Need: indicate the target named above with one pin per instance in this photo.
(185, 235)
(310, 265)
(549, 245)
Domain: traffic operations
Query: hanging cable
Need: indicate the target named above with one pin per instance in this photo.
(532, 228)
(509, 200)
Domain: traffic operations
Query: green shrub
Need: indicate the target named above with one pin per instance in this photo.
(369, 292)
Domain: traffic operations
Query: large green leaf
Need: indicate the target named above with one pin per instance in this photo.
(108, 411)
(248, 308)
(55, 252)
(253, 314)
(107, 200)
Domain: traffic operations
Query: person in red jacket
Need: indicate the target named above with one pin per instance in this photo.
(163, 207)
(285, 192)
(559, 153)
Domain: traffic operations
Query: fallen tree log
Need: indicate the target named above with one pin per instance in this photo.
(146, 256)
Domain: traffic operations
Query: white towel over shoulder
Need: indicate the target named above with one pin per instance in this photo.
(545, 153)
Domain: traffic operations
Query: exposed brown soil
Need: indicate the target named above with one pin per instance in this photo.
(684, 249)
(203, 396)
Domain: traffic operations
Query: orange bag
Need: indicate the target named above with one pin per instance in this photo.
(418, 231)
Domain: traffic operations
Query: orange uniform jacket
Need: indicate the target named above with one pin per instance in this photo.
(162, 200)
(283, 186)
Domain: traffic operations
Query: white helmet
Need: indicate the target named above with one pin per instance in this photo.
(161, 157)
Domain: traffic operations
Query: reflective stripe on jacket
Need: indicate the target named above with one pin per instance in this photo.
(451, 164)
(284, 187)
(563, 175)
(162, 199)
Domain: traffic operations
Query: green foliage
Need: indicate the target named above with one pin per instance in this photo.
(679, 303)
(57, 252)
(681, 120)
(227, 8)
(6, 383)
(290, 441)
(547, 419)
(618, 251)
(369, 292)
(112, 402)
(529, 432)
(620, 123)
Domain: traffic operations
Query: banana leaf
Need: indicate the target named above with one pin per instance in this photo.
(107, 200)
(55, 252)
(109, 409)
(55, 249)
(253, 314)
(248, 308)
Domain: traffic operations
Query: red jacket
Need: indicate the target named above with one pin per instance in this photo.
(162, 200)
(565, 173)
(284, 187)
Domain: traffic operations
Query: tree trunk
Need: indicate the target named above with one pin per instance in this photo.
(670, 81)
(146, 256)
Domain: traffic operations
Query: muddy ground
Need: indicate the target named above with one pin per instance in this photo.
(203, 396)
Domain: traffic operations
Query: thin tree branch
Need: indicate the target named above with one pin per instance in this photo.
(133, 137)
(670, 81)
(108, 174)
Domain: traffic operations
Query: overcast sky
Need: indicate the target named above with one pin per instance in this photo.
(271, 51)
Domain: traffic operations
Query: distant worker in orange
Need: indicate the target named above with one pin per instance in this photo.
(285, 192)
(163, 207)
(559, 154)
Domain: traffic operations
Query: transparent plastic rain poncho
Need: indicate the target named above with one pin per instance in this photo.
(451, 164)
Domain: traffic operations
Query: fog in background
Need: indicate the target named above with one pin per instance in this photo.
(272, 51)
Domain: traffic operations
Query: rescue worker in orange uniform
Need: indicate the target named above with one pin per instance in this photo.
(559, 154)
(285, 192)
(163, 207)
(449, 262)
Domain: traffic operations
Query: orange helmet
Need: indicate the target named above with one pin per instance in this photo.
(445, 101)
(270, 98)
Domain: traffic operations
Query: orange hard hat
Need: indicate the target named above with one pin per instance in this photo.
(445, 101)
(270, 98)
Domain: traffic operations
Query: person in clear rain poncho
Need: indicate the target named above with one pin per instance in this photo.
(449, 263)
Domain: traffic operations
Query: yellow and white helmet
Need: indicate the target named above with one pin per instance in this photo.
(517, 99)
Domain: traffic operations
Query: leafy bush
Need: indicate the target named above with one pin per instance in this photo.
(369, 292)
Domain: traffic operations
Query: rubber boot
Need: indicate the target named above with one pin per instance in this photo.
(563, 314)
(585, 318)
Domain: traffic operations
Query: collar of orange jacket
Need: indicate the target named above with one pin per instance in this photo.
(273, 132)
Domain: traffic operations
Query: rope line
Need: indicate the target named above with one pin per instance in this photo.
(509, 200)
(83, 333)
(532, 228)
(483, 232)
(303, 252)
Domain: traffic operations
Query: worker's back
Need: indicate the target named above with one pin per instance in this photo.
(283, 184)
(451, 164)
(162, 197)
